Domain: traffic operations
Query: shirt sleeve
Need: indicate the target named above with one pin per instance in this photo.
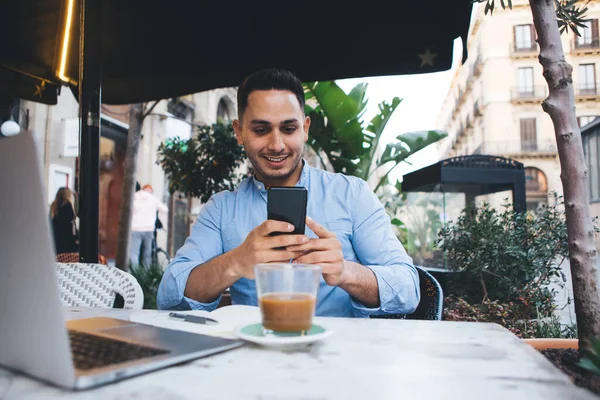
(378, 249)
(203, 244)
(160, 206)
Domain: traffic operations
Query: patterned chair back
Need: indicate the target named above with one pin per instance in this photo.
(74, 258)
(431, 304)
(96, 285)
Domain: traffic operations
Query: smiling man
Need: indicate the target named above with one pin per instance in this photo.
(365, 268)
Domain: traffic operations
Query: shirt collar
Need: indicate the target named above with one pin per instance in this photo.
(302, 182)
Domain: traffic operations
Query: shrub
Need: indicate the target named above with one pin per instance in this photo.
(149, 279)
(507, 256)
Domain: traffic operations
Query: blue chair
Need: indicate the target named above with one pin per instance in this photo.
(431, 304)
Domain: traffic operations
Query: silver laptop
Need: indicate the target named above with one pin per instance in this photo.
(34, 338)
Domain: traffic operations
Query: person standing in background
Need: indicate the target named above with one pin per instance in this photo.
(62, 215)
(145, 207)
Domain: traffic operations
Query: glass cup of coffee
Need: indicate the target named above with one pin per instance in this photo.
(287, 295)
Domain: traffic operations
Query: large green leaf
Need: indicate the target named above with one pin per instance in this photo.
(358, 94)
(408, 144)
(342, 112)
(376, 128)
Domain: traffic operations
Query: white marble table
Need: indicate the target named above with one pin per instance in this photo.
(365, 359)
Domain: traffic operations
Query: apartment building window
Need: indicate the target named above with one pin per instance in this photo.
(589, 34)
(528, 134)
(587, 78)
(524, 37)
(585, 119)
(525, 81)
(591, 147)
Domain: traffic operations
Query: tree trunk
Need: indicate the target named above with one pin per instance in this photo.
(189, 221)
(171, 225)
(134, 136)
(560, 105)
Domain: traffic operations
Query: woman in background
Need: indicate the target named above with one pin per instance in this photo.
(63, 222)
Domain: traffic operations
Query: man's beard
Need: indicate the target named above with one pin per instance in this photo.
(280, 175)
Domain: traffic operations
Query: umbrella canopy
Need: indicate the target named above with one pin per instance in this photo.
(156, 49)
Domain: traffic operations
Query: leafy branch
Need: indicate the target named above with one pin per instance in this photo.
(569, 14)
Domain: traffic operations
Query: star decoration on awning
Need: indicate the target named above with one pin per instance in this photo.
(39, 89)
(427, 58)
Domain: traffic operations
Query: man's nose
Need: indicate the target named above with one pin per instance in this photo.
(276, 144)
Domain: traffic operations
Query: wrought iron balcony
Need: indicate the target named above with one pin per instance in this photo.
(529, 94)
(524, 49)
(584, 45)
(587, 91)
(515, 147)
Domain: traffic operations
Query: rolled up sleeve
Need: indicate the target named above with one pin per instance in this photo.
(203, 244)
(377, 248)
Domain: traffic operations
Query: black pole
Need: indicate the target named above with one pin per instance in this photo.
(90, 97)
(519, 195)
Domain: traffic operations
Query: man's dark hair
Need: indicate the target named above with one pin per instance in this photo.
(269, 79)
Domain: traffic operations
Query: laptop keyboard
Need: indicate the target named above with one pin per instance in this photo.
(91, 351)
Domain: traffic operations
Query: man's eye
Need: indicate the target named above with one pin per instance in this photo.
(289, 129)
(260, 131)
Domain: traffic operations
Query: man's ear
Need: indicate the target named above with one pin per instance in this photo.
(237, 128)
(306, 127)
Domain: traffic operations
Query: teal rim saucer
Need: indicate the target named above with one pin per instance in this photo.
(257, 330)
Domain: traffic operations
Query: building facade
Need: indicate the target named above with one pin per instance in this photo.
(56, 132)
(494, 104)
(590, 135)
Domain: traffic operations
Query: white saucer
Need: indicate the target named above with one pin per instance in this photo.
(254, 333)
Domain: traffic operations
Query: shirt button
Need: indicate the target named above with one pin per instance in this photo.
(259, 187)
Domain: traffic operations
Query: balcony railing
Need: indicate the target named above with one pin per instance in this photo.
(587, 90)
(528, 94)
(523, 49)
(508, 147)
(584, 45)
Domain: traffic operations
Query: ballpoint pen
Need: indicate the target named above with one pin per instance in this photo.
(196, 319)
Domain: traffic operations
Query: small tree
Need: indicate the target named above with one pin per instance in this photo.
(137, 114)
(551, 17)
(203, 165)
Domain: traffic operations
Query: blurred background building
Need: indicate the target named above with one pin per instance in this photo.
(494, 103)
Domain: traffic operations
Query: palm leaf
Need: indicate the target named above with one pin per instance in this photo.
(408, 144)
(342, 113)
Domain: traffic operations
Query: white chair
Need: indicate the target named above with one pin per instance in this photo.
(96, 285)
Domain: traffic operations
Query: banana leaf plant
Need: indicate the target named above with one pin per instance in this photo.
(338, 132)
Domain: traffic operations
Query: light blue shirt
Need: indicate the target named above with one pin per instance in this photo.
(343, 204)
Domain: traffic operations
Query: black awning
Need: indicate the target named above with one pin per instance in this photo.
(473, 175)
(156, 49)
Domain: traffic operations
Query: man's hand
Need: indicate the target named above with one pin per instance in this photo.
(260, 248)
(325, 251)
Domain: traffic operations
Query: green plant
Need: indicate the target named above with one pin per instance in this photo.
(591, 360)
(149, 279)
(203, 165)
(502, 255)
(423, 219)
(339, 134)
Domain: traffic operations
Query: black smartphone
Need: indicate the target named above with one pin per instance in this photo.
(288, 204)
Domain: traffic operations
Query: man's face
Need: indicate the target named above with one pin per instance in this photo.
(273, 130)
